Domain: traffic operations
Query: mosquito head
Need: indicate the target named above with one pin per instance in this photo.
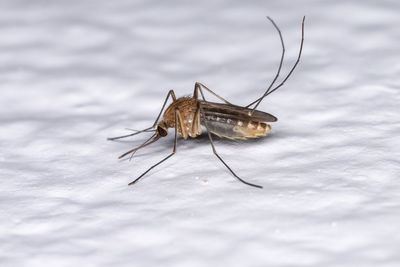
(162, 129)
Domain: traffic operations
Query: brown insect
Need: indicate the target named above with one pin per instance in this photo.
(187, 114)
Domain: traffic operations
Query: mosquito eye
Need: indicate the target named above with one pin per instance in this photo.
(161, 131)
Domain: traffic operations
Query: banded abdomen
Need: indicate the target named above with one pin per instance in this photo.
(236, 129)
(235, 122)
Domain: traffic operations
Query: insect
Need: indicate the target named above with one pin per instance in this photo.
(188, 114)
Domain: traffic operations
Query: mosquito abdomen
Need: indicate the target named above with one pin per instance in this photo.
(236, 129)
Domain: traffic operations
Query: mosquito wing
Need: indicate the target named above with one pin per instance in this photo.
(235, 112)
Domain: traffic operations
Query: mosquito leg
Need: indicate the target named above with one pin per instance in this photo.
(279, 68)
(170, 93)
(287, 76)
(196, 123)
(198, 86)
(216, 154)
(170, 155)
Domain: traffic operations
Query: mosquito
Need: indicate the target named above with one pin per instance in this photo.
(187, 114)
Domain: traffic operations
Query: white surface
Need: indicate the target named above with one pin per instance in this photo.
(76, 72)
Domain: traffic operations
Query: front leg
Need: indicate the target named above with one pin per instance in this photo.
(170, 93)
(197, 88)
(167, 157)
